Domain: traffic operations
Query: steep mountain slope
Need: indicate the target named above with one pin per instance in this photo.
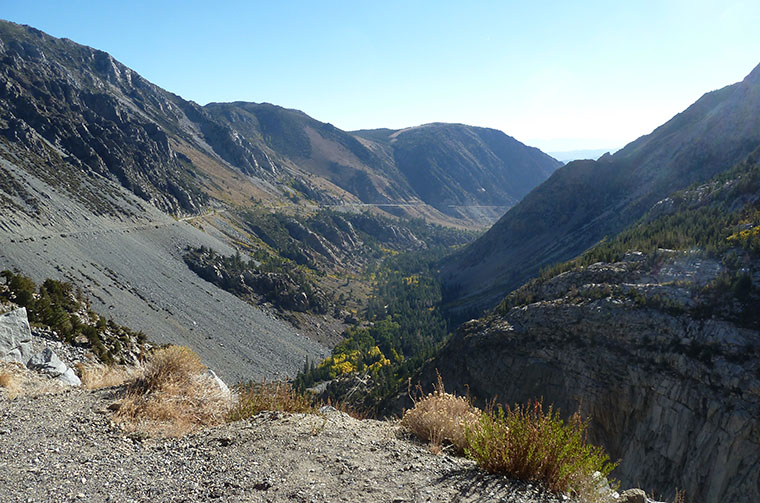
(127, 256)
(655, 334)
(106, 119)
(586, 200)
(460, 169)
(316, 148)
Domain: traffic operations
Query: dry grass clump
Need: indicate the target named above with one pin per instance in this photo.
(171, 365)
(522, 442)
(173, 396)
(9, 382)
(440, 418)
(529, 444)
(272, 396)
(16, 380)
(96, 376)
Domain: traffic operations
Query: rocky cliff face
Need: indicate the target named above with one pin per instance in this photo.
(655, 334)
(105, 119)
(675, 397)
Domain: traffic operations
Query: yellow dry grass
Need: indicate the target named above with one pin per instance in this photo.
(173, 396)
(441, 418)
(9, 382)
(95, 376)
(16, 380)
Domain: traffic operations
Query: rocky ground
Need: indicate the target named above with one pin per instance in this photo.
(61, 445)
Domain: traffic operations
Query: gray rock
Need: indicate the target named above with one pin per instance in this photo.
(69, 378)
(15, 336)
(47, 362)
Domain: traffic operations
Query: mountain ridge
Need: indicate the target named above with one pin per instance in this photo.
(653, 334)
(585, 200)
(185, 158)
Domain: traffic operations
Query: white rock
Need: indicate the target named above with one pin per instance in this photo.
(15, 336)
(222, 386)
(47, 362)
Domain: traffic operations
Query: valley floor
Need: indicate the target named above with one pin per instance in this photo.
(63, 446)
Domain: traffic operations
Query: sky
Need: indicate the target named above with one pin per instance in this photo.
(558, 75)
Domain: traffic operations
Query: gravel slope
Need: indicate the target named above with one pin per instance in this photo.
(64, 447)
(132, 269)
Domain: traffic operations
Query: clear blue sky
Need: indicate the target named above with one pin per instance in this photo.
(559, 75)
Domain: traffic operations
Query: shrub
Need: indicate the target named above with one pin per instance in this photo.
(173, 396)
(527, 443)
(171, 365)
(275, 396)
(441, 417)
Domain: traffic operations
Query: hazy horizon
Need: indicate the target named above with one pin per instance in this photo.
(555, 76)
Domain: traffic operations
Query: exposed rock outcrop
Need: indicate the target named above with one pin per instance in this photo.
(15, 336)
(674, 395)
(47, 362)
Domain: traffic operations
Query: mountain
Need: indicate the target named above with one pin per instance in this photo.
(316, 149)
(574, 155)
(92, 158)
(106, 119)
(654, 334)
(459, 169)
(586, 200)
(444, 166)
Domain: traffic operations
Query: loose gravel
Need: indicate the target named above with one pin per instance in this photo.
(64, 447)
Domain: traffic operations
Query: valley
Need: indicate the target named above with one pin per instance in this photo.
(358, 266)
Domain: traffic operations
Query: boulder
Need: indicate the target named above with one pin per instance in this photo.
(15, 336)
(47, 362)
(69, 378)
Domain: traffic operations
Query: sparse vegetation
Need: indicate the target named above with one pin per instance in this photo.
(65, 310)
(524, 441)
(528, 443)
(271, 396)
(173, 396)
(97, 376)
(441, 418)
(8, 381)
